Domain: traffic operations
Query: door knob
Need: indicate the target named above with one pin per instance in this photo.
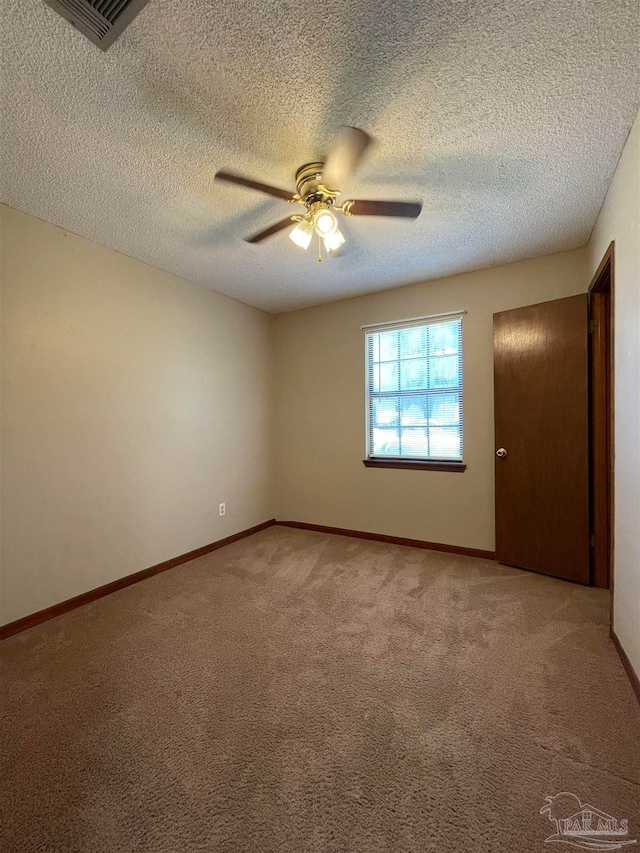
(501, 452)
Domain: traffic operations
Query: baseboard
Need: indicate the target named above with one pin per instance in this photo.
(40, 616)
(626, 663)
(392, 540)
(86, 597)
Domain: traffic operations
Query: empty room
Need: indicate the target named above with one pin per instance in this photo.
(320, 426)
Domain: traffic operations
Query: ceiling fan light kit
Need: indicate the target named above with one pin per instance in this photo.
(333, 241)
(302, 233)
(325, 223)
(318, 186)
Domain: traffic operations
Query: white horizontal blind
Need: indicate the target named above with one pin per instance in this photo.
(414, 390)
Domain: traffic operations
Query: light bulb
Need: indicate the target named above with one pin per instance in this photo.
(325, 223)
(333, 241)
(302, 233)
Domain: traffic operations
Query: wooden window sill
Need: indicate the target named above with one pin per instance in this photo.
(415, 464)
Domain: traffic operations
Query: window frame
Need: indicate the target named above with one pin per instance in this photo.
(419, 462)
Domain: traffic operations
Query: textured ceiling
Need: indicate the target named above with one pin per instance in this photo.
(506, 117)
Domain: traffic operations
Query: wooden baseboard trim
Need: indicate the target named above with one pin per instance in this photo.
(86, 597)
(392, 540)
(626, 663)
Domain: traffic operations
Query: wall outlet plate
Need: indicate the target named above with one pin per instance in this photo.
(222, 509)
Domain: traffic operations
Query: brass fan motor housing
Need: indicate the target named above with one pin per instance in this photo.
(310, 188)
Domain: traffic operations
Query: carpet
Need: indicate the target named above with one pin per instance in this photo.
(305, 693)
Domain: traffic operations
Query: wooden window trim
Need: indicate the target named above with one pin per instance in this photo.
(416, 464)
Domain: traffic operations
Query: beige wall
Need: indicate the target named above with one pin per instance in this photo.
(133, 403)
(319, 411)
(619, 220)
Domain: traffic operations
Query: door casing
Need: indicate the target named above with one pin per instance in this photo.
(601, 410)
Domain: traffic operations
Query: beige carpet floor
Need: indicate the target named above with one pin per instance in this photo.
(302, 692)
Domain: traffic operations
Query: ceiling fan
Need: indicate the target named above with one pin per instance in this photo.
(318, 187)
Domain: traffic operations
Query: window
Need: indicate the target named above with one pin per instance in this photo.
(414, 390)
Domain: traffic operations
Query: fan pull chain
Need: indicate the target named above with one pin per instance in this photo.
(319, 249)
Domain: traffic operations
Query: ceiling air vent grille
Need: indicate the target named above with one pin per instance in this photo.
(101, 21)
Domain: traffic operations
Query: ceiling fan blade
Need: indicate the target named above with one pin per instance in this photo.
(253, 185)
(268, 232)
(348, 148)
(408, 209)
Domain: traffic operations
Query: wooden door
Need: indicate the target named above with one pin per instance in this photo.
(542, 437)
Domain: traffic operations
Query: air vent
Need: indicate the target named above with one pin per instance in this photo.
(101, 21)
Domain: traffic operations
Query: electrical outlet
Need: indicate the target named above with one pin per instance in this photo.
(222, 509)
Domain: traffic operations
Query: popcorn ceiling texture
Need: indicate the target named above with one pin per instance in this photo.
(507, 117)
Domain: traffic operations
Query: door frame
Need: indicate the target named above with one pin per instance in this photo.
(601, 420)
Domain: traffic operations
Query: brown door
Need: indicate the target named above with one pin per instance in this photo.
(542, 437)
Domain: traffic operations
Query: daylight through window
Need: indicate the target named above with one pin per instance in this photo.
(414, 390)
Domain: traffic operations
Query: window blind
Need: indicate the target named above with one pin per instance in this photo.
(414, 389)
